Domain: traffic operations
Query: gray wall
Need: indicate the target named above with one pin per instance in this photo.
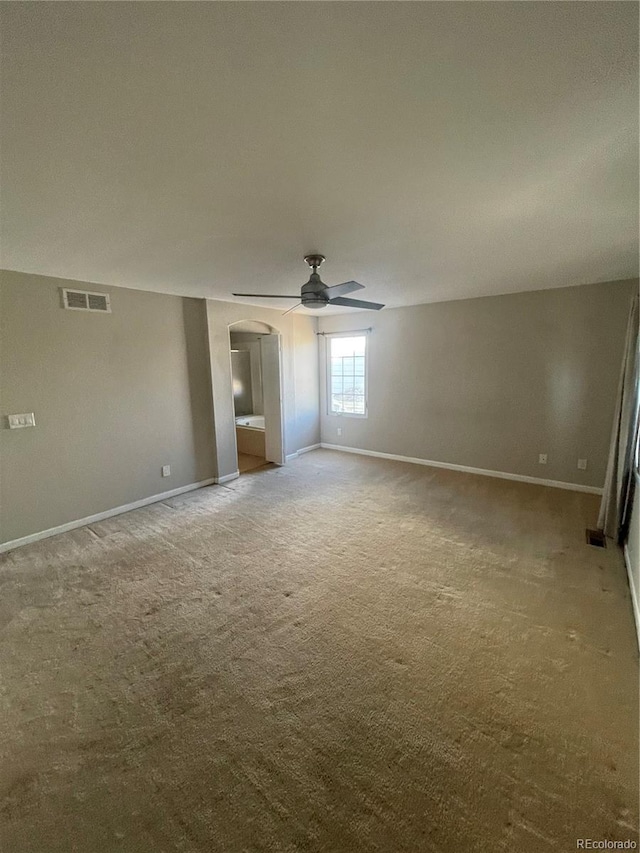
(300, 376)
(492, 382)
(115, 396)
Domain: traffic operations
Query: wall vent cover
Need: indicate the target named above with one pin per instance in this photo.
(83, 300)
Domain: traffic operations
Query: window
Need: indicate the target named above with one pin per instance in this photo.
(347, 375)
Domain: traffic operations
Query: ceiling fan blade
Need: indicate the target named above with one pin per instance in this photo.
(343, 289)
(292, 309)
(356, 303)
(267, 295)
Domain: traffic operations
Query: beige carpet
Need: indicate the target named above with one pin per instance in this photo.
(345, 654)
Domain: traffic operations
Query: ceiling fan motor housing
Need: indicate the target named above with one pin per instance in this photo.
(313, 294)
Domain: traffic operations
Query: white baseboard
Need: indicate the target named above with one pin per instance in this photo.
(308, 449)
(635, 601)
(502, 475)
(226, 478)
(100, 516)
(303, 450)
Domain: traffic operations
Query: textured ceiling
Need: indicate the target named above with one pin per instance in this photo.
(431, 150)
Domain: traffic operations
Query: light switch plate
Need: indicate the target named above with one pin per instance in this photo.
(26, 419)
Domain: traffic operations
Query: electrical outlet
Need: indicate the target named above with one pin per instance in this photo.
(339, 430)
(542, 459)
(166, 470)
(582, 464)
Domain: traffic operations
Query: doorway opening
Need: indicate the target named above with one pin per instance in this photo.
(256, 373)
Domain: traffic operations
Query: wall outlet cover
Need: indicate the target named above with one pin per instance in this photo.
(166, 470)
(582, 464)
(542, 459)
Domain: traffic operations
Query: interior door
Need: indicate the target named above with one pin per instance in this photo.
(272, 398)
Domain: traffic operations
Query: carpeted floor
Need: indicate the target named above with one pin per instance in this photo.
(344, 654)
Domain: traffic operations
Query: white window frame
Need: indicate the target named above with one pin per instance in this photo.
(359, 334)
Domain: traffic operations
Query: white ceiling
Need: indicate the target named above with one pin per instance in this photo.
(431, 150)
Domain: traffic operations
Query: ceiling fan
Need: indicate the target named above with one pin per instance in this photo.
(315, 293)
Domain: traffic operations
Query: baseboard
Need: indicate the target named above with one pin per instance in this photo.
(100, 516)
(484, 472)
(308, 449)
(226, 478)
(635, 601)
(303, 450)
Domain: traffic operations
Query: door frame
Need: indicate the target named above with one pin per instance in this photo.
(272, 332)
